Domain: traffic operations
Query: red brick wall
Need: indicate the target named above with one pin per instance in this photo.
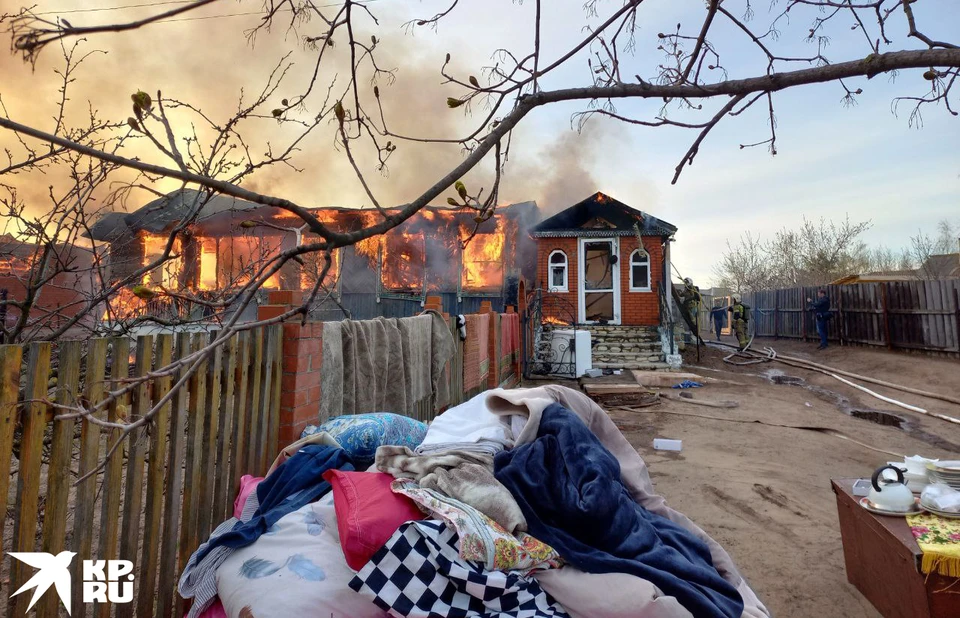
(300, 382)
(636, 308)
(640, 308)
(545, 246)
(302, 357)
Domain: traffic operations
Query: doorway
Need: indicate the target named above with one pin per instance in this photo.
(599, 281)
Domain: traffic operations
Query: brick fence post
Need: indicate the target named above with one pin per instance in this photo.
(493, 344)
(300, 369)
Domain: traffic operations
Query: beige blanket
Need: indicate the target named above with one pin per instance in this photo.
(383, 365)
(464, 475)
(610, 595)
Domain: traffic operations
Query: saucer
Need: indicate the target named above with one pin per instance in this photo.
(877, 510)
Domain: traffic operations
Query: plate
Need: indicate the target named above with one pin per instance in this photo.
(871, 507)
(944, 514)
(949, 467)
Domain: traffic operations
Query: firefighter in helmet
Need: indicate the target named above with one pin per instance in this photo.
(741, 315)
(691, 302)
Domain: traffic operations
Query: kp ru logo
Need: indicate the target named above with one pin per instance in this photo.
(103, 580)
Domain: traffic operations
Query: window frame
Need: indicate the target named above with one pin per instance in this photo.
(633, 287)
(566, 272)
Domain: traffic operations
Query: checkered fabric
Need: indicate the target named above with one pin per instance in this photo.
(419, 574)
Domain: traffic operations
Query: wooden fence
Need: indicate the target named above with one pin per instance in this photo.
(908, 315)
(162, 493)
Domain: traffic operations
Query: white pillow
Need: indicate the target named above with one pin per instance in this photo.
(296, 569)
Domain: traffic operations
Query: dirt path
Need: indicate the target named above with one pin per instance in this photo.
(764, 492)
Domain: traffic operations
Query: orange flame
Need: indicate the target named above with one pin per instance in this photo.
(124, 305)
(167, 275)
(482, 258)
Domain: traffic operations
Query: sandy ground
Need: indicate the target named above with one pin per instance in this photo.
(764, 492)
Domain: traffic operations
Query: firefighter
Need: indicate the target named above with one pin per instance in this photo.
(741, 315)
(691, 302)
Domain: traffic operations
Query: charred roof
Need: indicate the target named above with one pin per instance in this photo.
(220, 215)
(602, 215)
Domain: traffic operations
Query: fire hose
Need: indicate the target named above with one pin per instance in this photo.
(771, 355)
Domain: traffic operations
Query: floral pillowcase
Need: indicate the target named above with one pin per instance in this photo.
(362, 434)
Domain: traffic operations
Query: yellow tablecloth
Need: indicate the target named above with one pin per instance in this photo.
(939, 540)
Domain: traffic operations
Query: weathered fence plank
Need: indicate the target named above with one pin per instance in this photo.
(224, 476)
(271, 445)
(34, 421)
(153, 510)
(86, 492)
(189, 539)
(254, 460)
(211, 428)
(133, 492)
(55, 507)
(241, 427)
(262, 428)
(169, 567)
(113, 473)
(10, 358)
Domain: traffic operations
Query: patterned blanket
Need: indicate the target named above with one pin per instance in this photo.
(419, 574)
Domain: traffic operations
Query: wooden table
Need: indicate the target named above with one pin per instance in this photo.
(883, 562)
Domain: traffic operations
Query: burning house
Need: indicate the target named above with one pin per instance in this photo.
(438, 251)
(602, 267)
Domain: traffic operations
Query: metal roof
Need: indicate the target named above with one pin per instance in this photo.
(601, 215)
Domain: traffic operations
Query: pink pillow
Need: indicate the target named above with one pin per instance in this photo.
(368, 512)
(214, 611)
(248, 484)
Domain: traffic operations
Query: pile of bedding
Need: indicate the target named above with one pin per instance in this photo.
(517, 504)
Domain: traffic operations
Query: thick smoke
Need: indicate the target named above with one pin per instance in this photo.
(171, 58)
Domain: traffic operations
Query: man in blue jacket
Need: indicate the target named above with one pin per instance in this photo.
(822, 309)
(718, 314)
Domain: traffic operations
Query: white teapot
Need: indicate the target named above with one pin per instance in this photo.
(890, 495)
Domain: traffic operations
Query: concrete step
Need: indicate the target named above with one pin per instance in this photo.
(616, 341)
(626, 358)
(627, 347)
(649, 366)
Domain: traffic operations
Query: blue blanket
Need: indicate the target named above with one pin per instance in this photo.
(569, 489)
(295, 482)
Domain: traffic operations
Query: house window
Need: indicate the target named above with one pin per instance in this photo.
(558, 271)
(639, 272)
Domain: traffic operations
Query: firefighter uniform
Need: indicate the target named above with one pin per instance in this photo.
(691, 301)
(741, 315)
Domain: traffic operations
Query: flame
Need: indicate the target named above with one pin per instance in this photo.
(230, 262)
(549, 319)
(601, 197)
(167, 275)
(369, 247)
(208, 264)
(124, 305)
(482, 258)
(432, 250)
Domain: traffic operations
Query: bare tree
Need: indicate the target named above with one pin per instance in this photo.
(216, 155)
(885, 259)
(936, 256)
(744, 267)
(816, 253)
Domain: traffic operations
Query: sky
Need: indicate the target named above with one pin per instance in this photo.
(832, 161)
